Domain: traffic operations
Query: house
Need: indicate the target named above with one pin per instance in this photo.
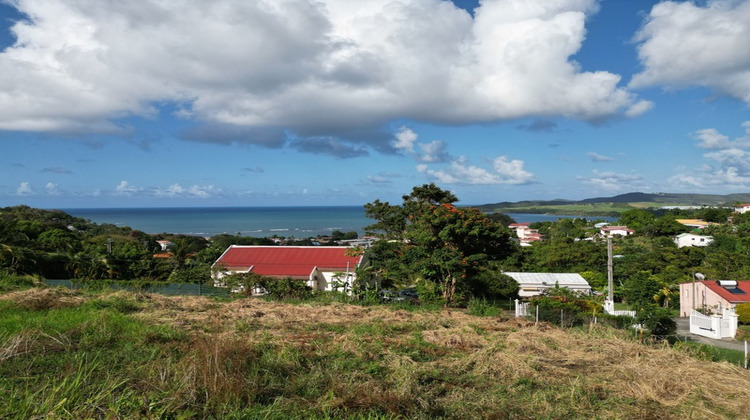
(164, 244)
(691, 239)
(321, 268)
(742, 208)
(534, 284)
(712, 294)
(610, 231)
(696, 223)
(526, 235)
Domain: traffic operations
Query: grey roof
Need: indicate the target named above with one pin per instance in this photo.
(549, 279)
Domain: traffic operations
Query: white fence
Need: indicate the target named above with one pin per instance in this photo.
(609, 307)
(522, 309)
(713, 326)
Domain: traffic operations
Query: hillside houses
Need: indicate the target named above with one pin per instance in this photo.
(526, 235)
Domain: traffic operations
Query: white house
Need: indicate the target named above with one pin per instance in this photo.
(534, 284)
(526, 235)
(610, 231)
(742, 208)
(691, 239)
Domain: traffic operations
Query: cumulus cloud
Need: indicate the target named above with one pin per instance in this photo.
(405, 138)
(267, 71)
(612, 181)
(124, 188)
(459, 171)
(52, 189)
(195, 191)
(596, 157)
(24, 189)
(687, 43)
(728, 161)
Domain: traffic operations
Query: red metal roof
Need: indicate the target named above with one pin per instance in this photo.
(728, 296)
(287, 261)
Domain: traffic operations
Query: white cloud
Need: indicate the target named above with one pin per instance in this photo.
(728, 161)
(684, 44)
(433, 152)
(405, 139)
(315, 69)
(459, 171)
(124, 188)
(596, 157)
(195, 191)
(52, 189)
(612, 181)
(24, 189)
(512, 171)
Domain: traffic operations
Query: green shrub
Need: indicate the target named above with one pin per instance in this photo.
(480, 307)
(743, 312)
(657, 320)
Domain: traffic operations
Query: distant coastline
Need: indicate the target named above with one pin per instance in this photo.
(297, 221)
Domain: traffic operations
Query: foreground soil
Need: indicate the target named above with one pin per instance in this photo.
(196, 357)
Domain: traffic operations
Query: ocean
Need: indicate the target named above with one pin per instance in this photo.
(298, 222)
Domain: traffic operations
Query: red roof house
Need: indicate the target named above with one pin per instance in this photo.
(713, 294)
(320, 267)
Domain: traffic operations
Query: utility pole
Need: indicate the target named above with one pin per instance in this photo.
(610, 274)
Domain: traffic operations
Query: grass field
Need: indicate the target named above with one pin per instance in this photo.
(72, 354)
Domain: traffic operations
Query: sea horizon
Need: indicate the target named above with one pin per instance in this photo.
(255, 221)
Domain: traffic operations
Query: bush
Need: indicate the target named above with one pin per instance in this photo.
(480, 307)
(657, 320)
(743, 313)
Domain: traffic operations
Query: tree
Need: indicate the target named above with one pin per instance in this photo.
(442, 243)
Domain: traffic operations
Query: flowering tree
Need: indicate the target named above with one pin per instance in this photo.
(443, 243)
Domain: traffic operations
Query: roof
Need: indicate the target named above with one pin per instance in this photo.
(730, 297)
(684, 235)
(607, 228)
(287, 261)
(549, 279)
(516, 225)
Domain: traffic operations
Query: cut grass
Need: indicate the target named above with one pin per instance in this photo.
(86, 355)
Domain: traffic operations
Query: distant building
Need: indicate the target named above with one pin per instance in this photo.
(696, 223)
(320, 267)
(610, 231)
(526, 235)
(691, 239)
(534, 284)
(742, 208)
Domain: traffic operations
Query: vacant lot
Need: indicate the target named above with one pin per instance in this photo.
(72, 354)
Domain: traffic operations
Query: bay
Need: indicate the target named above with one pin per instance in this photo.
(298, 222)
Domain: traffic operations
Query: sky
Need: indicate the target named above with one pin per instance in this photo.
(178, 103)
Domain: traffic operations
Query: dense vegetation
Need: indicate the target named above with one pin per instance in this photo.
(452, 254)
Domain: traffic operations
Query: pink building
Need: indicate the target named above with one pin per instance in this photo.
(712, 294)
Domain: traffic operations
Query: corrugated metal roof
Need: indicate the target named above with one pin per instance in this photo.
(549, 279)
(292, 261)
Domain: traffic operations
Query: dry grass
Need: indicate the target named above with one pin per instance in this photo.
(338, 360)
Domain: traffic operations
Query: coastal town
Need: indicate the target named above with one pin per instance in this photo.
(655, 275)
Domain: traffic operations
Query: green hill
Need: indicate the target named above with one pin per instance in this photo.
(613, 206)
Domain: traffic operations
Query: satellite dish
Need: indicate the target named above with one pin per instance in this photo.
(700, 276)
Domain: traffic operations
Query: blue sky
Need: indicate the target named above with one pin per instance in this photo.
(334, 102)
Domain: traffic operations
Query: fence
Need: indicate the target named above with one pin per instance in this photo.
(713, 326)
(171, 289)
